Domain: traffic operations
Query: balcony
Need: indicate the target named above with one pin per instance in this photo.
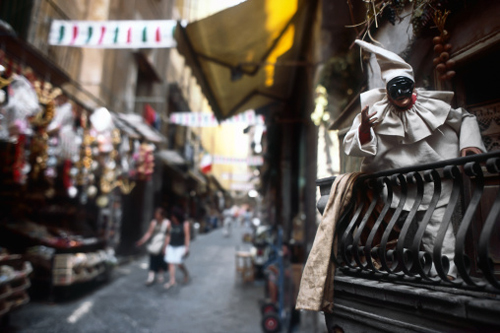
(386, 281)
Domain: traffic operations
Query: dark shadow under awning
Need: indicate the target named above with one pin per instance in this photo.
(146, 67)
(245, 57)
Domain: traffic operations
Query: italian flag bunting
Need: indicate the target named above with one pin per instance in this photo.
(113, 34)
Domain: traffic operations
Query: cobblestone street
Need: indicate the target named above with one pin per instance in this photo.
(215, 300)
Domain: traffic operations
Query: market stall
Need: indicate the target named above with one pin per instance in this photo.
(64, 171)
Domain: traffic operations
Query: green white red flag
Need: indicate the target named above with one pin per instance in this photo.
(113, 34)
(206, 163)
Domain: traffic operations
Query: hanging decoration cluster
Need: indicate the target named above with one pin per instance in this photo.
(53, 147)
(444, 65)
(422, 13)
(40, 142)
(426, 17)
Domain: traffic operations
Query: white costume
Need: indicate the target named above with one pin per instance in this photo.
(429, 131)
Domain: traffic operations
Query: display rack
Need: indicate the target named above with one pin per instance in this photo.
(59, 264)
(69, 268)
(14, 282)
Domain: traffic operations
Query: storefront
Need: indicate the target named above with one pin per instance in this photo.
(67, 171)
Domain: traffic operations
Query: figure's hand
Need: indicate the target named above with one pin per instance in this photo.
(367, 120)
(138, 243)
(470, 151)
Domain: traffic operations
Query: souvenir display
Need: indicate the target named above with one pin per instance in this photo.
(58, 158)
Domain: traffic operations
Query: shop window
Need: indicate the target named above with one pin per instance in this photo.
(479, 94)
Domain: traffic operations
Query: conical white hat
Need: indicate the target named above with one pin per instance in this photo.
(391, 65)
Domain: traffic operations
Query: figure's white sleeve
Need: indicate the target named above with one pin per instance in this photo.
(352, 145)
(465, 124)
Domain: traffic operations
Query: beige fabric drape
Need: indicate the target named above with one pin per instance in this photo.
(316, 285)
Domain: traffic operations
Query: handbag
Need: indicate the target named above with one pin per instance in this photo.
(157, 241)
(156, 244)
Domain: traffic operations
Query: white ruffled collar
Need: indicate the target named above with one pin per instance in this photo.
(429, 112)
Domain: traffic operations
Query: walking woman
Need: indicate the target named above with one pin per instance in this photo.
(177, 245)
(156, 232)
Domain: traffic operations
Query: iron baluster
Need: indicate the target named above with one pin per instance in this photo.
(423, 260)
(462, 261)
(397, 179)
(346, 241)
(344, 219)
(404, 255)
(369, 242)
(485, 262)
(355, 249)
(441, 263)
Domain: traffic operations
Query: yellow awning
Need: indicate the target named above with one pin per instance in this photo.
(245, 57)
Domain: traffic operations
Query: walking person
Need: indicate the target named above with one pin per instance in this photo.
(156, 234)
(228, 216)
(177, 245)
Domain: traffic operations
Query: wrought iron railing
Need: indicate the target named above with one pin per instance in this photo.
(379, 237)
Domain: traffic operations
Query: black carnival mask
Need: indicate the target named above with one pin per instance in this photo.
(399, 87)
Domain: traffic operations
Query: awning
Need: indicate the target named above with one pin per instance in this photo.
(214, 184)
(197, 176)
(176, 164)
(171, 157)
(245, 57)
(122, 126)
(137, 123)
(28, 55)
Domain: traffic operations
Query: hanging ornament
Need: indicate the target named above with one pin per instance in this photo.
(91, 191)
(40, 142)
(72, 191)
(442, 62)
(102, 201)
(145, 162)
(125, 186)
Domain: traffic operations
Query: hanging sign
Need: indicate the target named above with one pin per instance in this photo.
(113, 34)
(199, 119)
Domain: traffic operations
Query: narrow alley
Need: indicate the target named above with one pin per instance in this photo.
(214, 300)
(356, 145)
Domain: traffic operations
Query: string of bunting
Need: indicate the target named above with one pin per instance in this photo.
(199, 119)
(113, 34)
(250, 161)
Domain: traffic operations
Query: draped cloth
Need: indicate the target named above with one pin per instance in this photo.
(316, 284)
